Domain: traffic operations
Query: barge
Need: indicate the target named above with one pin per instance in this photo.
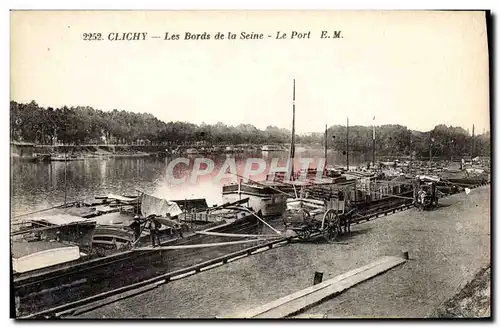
(62, 258)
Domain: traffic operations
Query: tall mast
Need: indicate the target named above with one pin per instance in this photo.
(373, 150)
(65, 173)
(347, 144)
(411, 152)
(292, 150)
(326, 142)
(473, 142)
(430, 147)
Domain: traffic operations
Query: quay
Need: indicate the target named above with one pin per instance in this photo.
(446, 246)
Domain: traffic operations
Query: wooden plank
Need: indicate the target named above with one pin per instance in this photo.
(235, 235)
(238, 202)
(121, 198)
(305, 298)
(202, 245)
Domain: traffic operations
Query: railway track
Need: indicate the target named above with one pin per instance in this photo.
(91, 301)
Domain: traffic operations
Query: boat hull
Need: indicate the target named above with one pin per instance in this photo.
(38, 291)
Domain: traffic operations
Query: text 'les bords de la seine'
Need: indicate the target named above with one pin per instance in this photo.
(169, 36)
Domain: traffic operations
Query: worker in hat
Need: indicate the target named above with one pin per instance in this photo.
(154, 229)
(136, 227)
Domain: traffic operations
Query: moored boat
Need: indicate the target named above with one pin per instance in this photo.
(271, 148)
(41, 157)
(192, 151)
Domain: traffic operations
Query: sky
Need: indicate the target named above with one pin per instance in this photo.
(417, 69)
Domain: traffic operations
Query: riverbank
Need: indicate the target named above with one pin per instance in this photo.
(87, 151)
(447, 247)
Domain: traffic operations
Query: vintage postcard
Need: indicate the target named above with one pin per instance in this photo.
(250, 164)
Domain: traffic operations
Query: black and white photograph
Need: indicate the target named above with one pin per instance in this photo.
(192, 164)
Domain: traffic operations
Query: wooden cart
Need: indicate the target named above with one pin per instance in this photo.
(311, 219)
(426, 196)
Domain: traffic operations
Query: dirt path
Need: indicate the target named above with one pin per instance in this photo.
(447, 248)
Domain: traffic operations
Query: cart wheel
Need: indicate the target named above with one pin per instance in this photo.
(331, 227)
(303, 234)
(331, 232)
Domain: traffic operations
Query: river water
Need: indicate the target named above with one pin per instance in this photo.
(36, 186)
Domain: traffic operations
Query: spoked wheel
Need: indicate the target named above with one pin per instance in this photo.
(331, 228)
(303, 234)
(306, 231)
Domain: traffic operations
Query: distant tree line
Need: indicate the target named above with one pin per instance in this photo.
(442, 141)
(86, 125)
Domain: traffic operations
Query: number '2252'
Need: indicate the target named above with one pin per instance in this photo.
(92, 36)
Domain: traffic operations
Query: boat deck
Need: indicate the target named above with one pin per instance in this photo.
(117, 219)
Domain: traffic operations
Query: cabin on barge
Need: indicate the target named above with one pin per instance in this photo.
(263, 196)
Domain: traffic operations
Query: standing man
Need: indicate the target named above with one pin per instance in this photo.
(136, 227)
(423, 194)
(154, 227)
(179, 231)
